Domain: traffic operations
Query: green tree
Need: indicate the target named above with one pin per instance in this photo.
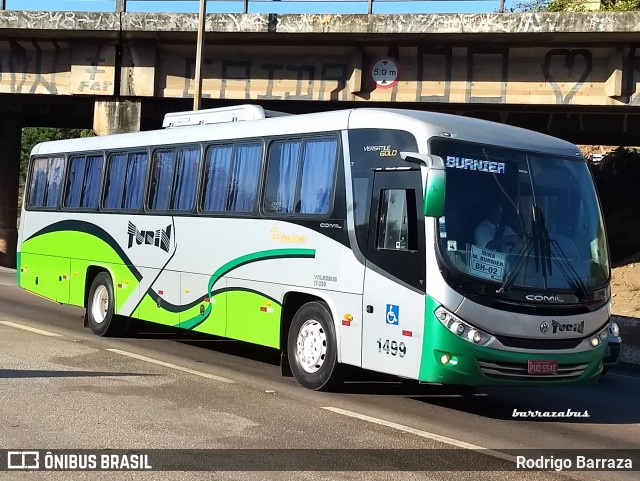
(577, 6)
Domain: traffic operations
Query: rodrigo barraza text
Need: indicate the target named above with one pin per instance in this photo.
(579, 463)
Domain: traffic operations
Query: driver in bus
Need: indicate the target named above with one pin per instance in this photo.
(494, 234)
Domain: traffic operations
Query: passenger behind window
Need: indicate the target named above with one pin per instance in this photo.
(494, 234)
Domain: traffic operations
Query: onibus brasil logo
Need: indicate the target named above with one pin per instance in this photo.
(160, 238)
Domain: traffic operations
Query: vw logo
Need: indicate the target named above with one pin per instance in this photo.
(544, 327)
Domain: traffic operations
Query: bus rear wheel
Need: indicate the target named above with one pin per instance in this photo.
(100, 306)
(312, 348)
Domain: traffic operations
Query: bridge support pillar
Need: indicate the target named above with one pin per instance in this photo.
(10, 137)
(116, 116)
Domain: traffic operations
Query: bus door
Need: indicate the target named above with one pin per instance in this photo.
(395, 275)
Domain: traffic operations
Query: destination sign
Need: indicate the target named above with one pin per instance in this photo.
(487, 264)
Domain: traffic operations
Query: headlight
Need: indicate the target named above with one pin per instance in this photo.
(597, 339)
(458, 328)
(615, 330)
(475, 336)
(461, 328)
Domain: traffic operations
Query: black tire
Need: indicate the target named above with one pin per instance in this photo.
(100, 305)
(314, 360)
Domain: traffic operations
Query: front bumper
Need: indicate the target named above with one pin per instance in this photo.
(475, 365)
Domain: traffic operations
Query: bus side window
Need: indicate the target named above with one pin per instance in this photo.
(38, 187)
(54, 181)
(187, 173)
(83, 182)
(114, 182)
(395, 229)
(245, 177)
(231, 177)
(162, 167)
(75, 179)
(217, 168)
(92, 180)
(318, 168)
(46, 182)
(301, 183)
(282, 177)
(136, 177)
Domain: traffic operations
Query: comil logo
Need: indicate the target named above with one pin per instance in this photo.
(542, 298)
(160, 238)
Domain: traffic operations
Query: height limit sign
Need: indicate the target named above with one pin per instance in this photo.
(385, 73)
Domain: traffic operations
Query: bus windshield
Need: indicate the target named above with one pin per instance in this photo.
(521, 219)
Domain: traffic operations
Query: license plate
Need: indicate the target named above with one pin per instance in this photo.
(542, 367)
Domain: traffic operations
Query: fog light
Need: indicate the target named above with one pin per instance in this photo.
(615, 330)
(595, 342)
(445, 358)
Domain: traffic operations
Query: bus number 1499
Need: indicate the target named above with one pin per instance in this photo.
(394, 348)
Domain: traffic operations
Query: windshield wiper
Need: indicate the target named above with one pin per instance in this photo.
(566, 268)
(546, 251)
(522, 254)
(545, 245)
(568, 271)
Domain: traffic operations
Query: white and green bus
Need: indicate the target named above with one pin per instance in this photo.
(340, 238)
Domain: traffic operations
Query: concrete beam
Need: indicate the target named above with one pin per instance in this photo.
(28, 24)
(32, 24)
(532, 58)
(116, 116)
(485, 74)
(57, 67)
(399, 25)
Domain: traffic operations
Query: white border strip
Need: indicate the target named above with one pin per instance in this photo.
(30, 329)
(172, 366)
(422, 434)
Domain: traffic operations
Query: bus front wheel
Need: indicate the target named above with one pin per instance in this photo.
(312, 347)
(100, 305)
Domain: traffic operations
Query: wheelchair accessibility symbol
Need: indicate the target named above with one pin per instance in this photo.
(393, 314)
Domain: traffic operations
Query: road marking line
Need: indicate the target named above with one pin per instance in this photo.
(172, 366)
(30, 329)
(423, 434)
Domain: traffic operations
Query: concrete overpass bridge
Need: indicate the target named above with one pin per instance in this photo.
(576, 76)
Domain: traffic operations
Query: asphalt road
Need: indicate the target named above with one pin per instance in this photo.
(63, 388)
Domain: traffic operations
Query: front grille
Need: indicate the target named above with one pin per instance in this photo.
(539, 344)
(511, 371)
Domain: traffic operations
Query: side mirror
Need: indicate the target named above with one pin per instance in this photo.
(434, 192)
(435, 185)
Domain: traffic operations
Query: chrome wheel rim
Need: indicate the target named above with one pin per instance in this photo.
(100, 304)
(311, 346)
